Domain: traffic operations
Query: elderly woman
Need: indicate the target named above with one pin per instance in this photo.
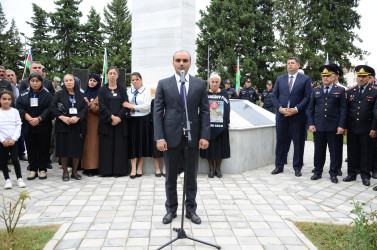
(219, 147)
(112, 127)
(140, 137)
(89, 161)
(33, 105)
(70, 109)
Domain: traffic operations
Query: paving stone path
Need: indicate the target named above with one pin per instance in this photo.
(253, 210)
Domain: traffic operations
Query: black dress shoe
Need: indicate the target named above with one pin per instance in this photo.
(139, 175)
(277, 171)
(349, 178)
(169, 217)
(375, 188)
(316, 177)
(211, 174)
(22, 158)
(157, 174)
(298, 173)
(194, 218)
(366, 182)
(313, 171)
(374, 175)
(133, 176)
(219, 174)
(334, 179)
(339, 172)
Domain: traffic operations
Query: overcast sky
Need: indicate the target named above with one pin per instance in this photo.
(21, 11)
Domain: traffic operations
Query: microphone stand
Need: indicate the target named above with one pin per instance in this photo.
(187, 133)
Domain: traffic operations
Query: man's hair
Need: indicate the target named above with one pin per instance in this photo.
(35, 62)
(2, 67)
(9, 70)
(294, 58)
(181, 51)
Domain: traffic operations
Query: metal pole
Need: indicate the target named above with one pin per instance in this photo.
(208, 69)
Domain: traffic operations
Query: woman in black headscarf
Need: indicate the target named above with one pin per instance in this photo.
(70, 109)
(89, 161)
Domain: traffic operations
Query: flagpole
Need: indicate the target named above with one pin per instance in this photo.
(208, 69)
(27, 55)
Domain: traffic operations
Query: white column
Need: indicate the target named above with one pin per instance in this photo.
(160, 28)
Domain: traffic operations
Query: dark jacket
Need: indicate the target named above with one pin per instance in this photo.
(104, 123)
(328, 112)
(249, 94)
(5, 85)
(61, 105)
(46, 83)
(44, 102)
(360, 117)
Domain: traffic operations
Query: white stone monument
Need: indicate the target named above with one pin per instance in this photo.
(160, 28)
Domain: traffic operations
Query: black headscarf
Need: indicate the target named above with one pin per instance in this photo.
(91, 93)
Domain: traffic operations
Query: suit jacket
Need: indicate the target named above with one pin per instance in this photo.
(328, 112)
(46, 83)
(360, 118)
(299, 96)
(169, 114)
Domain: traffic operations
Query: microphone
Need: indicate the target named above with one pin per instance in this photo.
(183, 80)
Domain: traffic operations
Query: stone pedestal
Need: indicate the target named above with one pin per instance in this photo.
(160, 28)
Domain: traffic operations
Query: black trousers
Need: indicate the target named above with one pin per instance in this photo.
(4, 156)
(359, 151)
(322, 139)
(38, 146)
(340, 152)
(172, 158)
(287, 130)
(374, 155)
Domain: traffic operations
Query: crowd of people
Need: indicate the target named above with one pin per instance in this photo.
(103, 129)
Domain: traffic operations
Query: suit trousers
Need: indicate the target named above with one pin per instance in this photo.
(359, 150)
(287, 130)
(320, 144)
(172, 158)
(340, 152)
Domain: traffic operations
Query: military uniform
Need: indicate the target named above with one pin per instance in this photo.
(5, 85)
(231, 93)
(267, 100)
(249, 94)
(360, 121)
(327, 111)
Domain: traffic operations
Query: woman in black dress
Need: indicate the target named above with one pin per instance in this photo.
(219, 147)
(33, 105)
(70, 109)
(112, 127)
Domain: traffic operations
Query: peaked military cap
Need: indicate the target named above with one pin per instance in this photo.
(364, 70)
(338, 71)
(247, 79)
(327, 70)
(269, 82)
(227, 81)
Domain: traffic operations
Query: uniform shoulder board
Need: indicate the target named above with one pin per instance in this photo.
(353, 88)
(374, 87)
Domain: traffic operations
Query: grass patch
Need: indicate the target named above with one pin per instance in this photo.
(310, 137)
(325, 235)
(28, 237)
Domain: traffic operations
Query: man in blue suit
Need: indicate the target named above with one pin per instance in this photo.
(327, 119)
(291, 97)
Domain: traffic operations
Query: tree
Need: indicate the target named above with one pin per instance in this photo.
(41, 43)
(93, 43)
(3, 25)
(118, 33)
(66, 24)
(234, 29)
(13, 57)
(328, 28)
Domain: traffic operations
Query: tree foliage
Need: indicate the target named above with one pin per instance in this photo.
(117, 28)
(13, 49)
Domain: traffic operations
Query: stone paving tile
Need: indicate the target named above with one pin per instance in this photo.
(244, 211)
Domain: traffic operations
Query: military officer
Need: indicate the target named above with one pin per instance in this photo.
(230, 91)
(248, 92)
(361, 124)
(327, 119)
(266, 97)
(4, 84)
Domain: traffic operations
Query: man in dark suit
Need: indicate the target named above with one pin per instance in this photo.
(291, 97)
(361, 125)
(327, 119)
(169, 124)
(36, 67)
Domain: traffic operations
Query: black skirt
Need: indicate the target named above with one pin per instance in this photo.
(140, 137)
(218, 148)
(69, 144)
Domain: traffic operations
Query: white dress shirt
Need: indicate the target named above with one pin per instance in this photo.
(143, 100)
(178, 79)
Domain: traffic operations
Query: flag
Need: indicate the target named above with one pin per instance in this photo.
(238, 75)
(327, 59)
(29, 59)
(104, 70)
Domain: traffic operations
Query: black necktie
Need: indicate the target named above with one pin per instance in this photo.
(361, 90)
(327, 90)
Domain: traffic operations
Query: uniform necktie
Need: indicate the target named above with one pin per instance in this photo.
(361, 90)
(135, 95)
(327, 90)
(290, 83)
(183, 93)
